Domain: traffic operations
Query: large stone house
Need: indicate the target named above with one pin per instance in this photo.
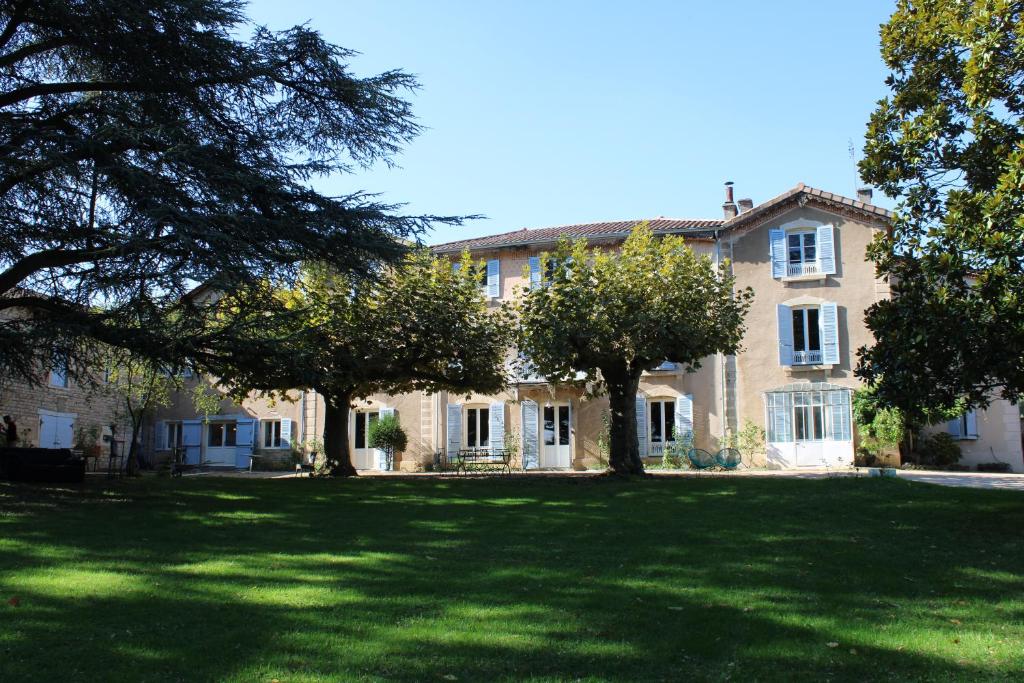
(802, 252)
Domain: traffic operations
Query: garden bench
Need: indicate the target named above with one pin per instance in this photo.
(484, 460)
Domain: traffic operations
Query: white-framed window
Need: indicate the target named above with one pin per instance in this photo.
(806, 335)
(661, 423)
(271, 434)
(477, 427)
(221, 434)
(799, 249)
(364, 421)
(174, 434)
(964, 427)
(59, 371)
(803, 416)
(801, 252)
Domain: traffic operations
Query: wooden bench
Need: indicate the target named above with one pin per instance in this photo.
(484, 460)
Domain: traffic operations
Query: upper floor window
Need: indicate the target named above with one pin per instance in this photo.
(808, 334)
(489, 276)
(59, 371)
(799, 250)
(802, 253)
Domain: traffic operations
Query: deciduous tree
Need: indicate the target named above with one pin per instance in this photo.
(421, 325)
(611, 315)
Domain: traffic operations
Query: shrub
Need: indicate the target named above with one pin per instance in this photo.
(750, 440)
(387, 435)
(940, 449)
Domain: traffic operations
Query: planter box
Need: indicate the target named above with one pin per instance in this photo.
(881, 471)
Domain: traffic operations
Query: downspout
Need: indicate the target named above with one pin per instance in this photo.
(722, 367)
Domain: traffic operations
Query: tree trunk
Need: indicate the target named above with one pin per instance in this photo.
(624, 458)
(339, 459)
(131, 461)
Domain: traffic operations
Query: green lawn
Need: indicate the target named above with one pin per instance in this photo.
(488, 579)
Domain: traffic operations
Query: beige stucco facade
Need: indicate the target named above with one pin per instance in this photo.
(726, 393)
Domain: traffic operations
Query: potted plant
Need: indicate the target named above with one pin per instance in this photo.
(387, 435)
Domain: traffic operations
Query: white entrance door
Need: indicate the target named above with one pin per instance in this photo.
(364, 457)
(221, 439)
(56, 430)
(555, 430)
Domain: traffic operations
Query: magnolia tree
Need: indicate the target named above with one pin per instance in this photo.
(948, 141)
(420, 326)
(613, 315)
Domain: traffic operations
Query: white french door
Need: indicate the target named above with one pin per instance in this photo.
(363, 457)
(555, 451)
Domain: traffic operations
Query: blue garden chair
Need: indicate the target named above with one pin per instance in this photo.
(728, 458)
(700, 459)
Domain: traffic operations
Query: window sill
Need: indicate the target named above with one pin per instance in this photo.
(793, 369)
(809, 277)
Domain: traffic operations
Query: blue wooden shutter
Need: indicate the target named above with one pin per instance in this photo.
(530, 450)
(534, 272)
(641, 425)
(161, 435)
(953, 427)
(191, 440)
(497, 425)
(286, 433)
(244, 435)
(684, 417)
(667, 365)
(454, 440)
(971, 418)
(829, 323)
(777, 247)
(494, 278)
(785, 317)
(826, 250)
(455, 266)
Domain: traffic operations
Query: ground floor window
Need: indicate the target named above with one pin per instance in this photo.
(363, 423)
(174, 438)
(221, 434)
(809, 416)
(272, 434)
(478, 427)
(662, 421)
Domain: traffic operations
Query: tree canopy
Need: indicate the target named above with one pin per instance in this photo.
(611, 315)
(949, 142)
(421, 325)
(147, 146)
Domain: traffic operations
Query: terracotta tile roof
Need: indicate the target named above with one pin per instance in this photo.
(694, 228)
(802, 191)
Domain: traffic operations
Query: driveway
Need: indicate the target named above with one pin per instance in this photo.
(976, 480)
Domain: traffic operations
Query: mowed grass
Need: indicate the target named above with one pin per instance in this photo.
(490, 579)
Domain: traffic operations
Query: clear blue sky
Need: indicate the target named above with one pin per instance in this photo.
(547, 113)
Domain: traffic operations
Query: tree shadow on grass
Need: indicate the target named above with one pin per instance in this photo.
(485, 580)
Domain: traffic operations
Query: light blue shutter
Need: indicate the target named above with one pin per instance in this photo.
(785, 317)
(529, 414)
(493, 278)
(667, 365)
(972, 424)
(829, 322)
(454, 429)
(777, 247)
(953, 427)
(684, 417)
(246, 432)
(191, 440)
(455, 266)
(826, 250)
(286, 433)
(641, 425)
(161, 435)
(497, 425)
(534, 272)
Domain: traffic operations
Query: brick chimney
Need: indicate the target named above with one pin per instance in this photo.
(864, 194)
(745, 205)
(729, 207)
